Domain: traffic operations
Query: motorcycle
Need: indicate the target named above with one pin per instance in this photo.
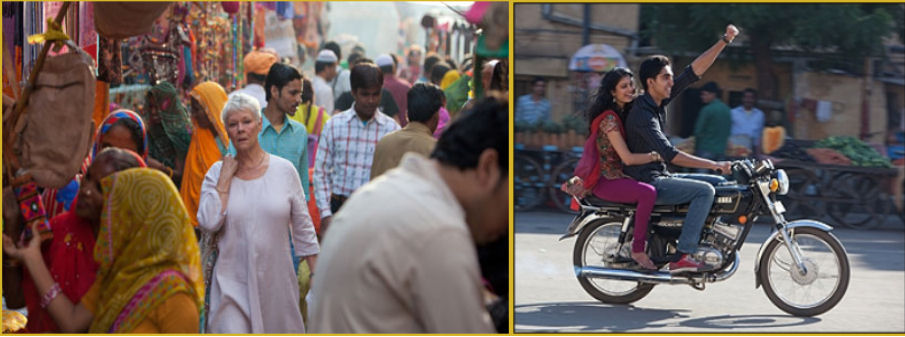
(803, 267)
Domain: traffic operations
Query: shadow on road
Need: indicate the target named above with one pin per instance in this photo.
(589, 316)
(730, 322)
(596, 317)
(542, 222)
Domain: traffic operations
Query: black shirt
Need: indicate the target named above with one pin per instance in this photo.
(644, 133)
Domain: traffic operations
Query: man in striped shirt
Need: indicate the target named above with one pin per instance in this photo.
(346, 147)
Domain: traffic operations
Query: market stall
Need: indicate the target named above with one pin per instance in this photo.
(839, 179)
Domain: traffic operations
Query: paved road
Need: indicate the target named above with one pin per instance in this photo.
(548, 297)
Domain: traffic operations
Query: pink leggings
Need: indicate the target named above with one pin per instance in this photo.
(627, 190)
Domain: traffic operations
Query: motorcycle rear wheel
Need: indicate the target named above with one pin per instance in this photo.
(595, 246)
(826, 279)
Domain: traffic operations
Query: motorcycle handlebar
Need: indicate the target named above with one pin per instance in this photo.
(752, 168)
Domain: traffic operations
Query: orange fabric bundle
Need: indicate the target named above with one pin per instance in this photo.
(101, 102)
(312, 205)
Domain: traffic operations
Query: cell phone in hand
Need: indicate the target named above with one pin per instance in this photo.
(32, 207)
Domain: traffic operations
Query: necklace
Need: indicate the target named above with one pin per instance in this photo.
(252, 172)
(259, 164)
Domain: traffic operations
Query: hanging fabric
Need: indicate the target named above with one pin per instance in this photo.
(101, 102)
(110, 61)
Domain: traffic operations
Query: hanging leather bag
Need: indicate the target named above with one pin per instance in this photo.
(54, 134)
(120, 20)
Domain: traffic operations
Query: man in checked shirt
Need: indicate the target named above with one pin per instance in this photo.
(346, 147)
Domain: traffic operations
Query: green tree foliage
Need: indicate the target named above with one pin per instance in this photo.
(849, 30)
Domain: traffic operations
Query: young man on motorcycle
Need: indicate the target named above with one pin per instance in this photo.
(643, 128)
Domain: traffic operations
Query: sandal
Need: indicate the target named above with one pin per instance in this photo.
(643, 260)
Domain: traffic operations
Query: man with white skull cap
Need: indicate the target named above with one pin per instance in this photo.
(325, 71)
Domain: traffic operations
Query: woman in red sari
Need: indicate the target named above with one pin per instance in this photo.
(605, 153)
(70, 254)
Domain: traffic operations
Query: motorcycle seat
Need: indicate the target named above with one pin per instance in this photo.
(595, 201)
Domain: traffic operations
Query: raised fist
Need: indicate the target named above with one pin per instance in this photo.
(731, 32)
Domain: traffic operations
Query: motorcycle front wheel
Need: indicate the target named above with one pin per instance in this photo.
(817, 290)
(598, 246)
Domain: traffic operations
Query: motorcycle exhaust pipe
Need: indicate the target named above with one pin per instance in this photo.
(631, 275)
(653, 276)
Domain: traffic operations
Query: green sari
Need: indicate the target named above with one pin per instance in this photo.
(169, 125)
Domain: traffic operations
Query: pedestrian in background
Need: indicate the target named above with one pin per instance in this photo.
(747, 122)
(711, 130)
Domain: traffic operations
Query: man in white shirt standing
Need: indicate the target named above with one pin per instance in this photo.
(345, 151)
(747, 122)
(325, 71)
(257, 63)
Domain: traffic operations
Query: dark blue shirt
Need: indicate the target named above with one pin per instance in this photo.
(644, 132)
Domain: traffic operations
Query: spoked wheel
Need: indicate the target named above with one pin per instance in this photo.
(820, 287)
(529, 184)
(598, 246)
(561, 174)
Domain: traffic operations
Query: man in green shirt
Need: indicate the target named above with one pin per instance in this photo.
(711, 131)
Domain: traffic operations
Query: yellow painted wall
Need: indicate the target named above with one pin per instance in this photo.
(546, 53)
(846, 93)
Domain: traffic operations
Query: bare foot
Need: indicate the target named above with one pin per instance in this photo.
(643, 260)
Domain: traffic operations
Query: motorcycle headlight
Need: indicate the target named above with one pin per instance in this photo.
(780, 184)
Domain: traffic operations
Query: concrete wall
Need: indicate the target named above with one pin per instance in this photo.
(544, 48)
(536, 36)
(846, 94)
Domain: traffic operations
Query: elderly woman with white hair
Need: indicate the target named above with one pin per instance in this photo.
(250, 203)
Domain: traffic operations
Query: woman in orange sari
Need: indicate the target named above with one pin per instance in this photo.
(209, 142)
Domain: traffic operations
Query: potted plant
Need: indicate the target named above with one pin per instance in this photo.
(553, 133)
(576, 130)
(522, 131)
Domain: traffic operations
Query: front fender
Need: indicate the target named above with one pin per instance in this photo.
(792, 225)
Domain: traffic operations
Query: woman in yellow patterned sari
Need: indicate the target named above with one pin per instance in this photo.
(149, 279)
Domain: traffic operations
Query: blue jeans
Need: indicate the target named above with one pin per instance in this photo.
(712, 179)
(684, 188)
